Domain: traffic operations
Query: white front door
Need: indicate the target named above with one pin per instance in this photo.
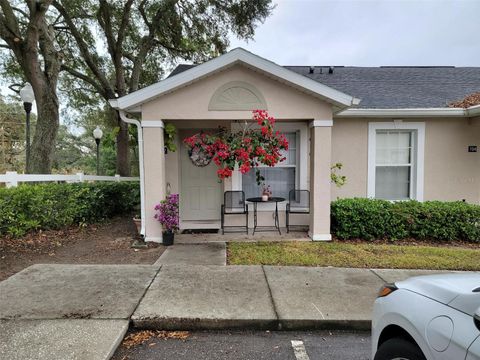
(201, 192)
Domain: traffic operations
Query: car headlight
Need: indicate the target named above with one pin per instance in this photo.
(386, 289)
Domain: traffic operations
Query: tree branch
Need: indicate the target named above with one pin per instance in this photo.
(9, 30)
(87, 56)
(104, 19)
(124, 23)
(83, 77)
(20, 11)
(143, 13)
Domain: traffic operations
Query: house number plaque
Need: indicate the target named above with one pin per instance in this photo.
(472, 148)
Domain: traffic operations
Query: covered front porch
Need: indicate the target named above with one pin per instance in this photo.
(222, 93)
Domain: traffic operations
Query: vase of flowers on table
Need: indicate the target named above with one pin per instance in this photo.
(167, 215)
(266, 192)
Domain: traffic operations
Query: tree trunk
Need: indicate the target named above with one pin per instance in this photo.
(46, 130)
(123, 164)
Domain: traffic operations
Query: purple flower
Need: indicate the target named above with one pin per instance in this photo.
(168, 213)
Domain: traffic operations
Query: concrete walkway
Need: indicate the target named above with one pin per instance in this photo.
(83, 311)
(194, 254)
(67, 312)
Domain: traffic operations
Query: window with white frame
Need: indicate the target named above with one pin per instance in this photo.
(395, 165)
(282, 178)
(396, 161)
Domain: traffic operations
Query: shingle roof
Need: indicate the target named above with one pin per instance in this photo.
(393, 87)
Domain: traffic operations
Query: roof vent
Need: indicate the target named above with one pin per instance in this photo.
(330, 70)
(311, 70)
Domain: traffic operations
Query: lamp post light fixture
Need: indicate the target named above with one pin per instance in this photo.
(97, 134)
(28, 97)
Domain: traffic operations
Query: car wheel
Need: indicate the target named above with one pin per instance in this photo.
(399, 349)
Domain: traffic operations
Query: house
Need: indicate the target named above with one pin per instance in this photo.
(390, 127)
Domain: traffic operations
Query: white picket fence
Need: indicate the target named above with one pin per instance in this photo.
(12, 178)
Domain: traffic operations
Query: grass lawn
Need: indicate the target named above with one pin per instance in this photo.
(358, 255)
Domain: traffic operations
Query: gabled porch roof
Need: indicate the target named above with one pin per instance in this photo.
(132, 102)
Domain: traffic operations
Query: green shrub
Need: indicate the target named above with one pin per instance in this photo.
(53, 206)
(370, 219)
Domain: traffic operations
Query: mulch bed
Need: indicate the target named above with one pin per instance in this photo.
(104, 243)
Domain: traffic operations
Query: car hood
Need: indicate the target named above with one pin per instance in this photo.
(458, 290)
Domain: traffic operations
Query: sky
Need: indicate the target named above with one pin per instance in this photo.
(370, 33)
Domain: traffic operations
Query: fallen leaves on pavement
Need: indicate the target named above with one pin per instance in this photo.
(141, 337)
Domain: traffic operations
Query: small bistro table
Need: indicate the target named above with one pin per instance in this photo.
(255, 201)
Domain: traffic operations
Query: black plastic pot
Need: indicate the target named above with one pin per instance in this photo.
(168, 238)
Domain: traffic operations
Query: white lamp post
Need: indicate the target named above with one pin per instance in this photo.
(28, 97)
(97, 134)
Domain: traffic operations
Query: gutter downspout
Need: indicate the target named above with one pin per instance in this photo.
(137, 123)
(473, 110)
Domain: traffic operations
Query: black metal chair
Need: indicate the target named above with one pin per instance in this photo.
(298, 203)
(234, 204)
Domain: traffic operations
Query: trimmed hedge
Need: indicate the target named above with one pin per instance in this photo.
(370, 219)
(53, 206)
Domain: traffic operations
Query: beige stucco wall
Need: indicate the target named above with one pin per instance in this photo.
(154, 179)
(187, 108)
(191, 102)
(451, 172)
(350, 147)
(320, 193)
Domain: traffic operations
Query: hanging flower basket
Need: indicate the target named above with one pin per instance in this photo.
(247, 149)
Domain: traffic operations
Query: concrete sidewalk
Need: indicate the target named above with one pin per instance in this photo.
(67, 312)
(194, 254)
(262, 297)
(83, 311)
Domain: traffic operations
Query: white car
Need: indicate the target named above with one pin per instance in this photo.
(428, 317)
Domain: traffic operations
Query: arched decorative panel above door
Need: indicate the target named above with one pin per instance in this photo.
(237, 95)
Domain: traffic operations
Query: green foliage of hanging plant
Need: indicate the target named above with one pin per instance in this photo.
(336, 178)
(170, 132)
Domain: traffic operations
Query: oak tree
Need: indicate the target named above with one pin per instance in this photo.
(29, 46)
(117, 47)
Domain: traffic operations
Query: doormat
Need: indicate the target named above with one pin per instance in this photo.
(200, 231)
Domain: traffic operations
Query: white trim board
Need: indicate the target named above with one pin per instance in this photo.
(152, 124)
(235, 56)
(154, 239)
(321, 123)
(411, 112)
(419, 127)
(320, 237)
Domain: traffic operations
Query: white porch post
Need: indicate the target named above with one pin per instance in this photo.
(154, 164)
(320, 194)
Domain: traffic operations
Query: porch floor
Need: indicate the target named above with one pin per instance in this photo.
(242, 237)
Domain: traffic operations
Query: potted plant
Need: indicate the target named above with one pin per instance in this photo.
(167, 215)
(138, 222)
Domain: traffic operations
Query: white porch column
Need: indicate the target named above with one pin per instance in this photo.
(320, 162)
(154, 165)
